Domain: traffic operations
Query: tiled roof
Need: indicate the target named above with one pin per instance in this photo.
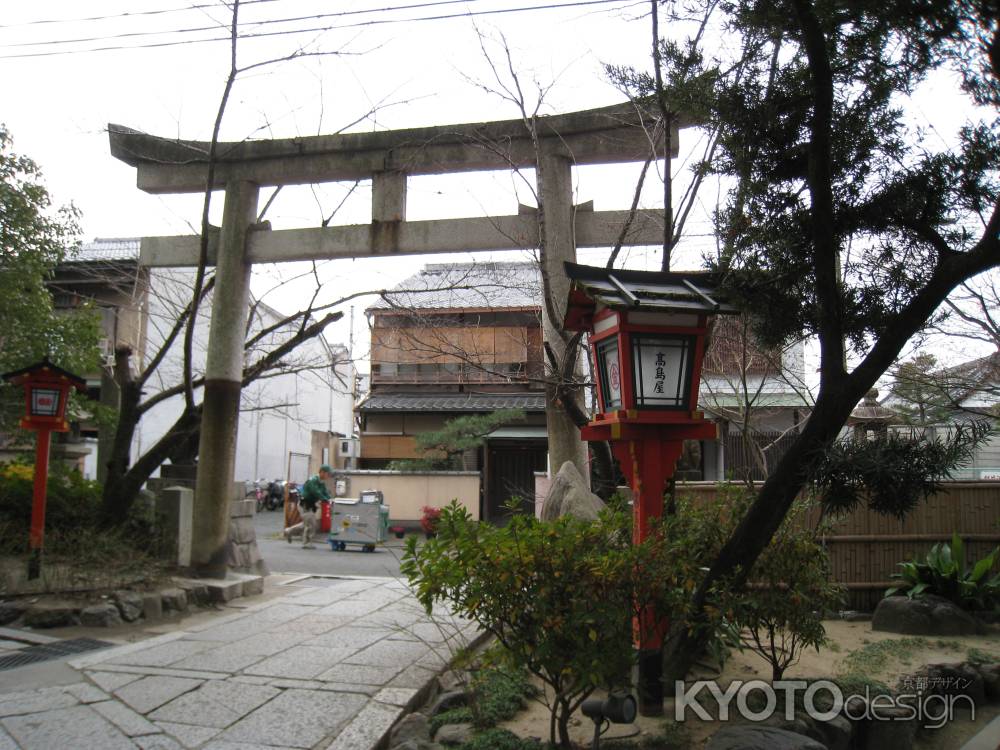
(977, 372)
(637, 290)
(450, 286)
(453, 402)
(120, 248)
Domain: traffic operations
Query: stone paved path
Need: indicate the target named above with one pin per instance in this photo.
(330, 665)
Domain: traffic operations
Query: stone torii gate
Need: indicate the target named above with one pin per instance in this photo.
(613, 134)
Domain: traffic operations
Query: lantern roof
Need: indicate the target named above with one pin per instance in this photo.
(870, 412)
(592, 287)
(42, 369)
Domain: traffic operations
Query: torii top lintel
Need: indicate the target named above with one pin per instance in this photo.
(615, 134)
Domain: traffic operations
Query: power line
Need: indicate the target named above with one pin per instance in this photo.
(126, 14)
(313, 30)
(189, 8)
(215, 27)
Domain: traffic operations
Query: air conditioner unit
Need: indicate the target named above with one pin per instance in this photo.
(107, 352)
(350, 448)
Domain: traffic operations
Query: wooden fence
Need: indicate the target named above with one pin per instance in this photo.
(865, 547)
(741, 461)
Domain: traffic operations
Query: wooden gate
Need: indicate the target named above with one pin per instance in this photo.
(510, 472)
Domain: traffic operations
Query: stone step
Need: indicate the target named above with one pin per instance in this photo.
(221, 590)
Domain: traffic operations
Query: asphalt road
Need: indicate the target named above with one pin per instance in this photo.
(282, 557)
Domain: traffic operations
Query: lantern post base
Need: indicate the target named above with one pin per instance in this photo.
(649, 681)
(36, 535)
(35, 563)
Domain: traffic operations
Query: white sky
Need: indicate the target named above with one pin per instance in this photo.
(58, 101)
(416, 73)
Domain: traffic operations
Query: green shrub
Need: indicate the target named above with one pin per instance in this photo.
(671, 736)
(944, 573)
(874, 657)
(559, 596)
(780, 610)
(460, 715)
(978, 656)
(71, 501)
(498, 695)
(851, 683)
(499, 739)
(80, 552)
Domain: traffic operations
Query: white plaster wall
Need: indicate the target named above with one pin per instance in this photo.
(278, 413)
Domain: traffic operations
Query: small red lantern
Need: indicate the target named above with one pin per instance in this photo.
(46, 391)
(647, 336)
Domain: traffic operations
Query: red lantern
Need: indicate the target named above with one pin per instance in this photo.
(46, 391)
(647, 336)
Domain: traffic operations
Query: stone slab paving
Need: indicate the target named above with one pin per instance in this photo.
(6, 741)
(331, 665)
(78, 726)
(151, 692)
(216, 704)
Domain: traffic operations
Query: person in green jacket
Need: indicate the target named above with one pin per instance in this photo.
(313, 492)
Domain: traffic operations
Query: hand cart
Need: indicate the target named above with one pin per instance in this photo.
(363, 521)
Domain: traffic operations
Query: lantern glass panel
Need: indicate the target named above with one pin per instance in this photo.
(662, 371)
(609, 369)
(44, 402)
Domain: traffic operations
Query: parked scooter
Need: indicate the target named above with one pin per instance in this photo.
(258, 492)
(275, 494)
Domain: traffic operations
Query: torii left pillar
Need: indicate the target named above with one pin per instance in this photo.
(223, 381)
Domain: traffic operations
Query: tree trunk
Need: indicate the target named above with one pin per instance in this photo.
(563, 724)
(116, 498)
(602, 466)
(686, 641)
(123, 485)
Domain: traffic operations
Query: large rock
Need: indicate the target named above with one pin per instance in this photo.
(174, 600)
(931, 615)
(454, 734)
(746, 737)
(413, 728)
(11, 611)
(51, 615)
(569, 496)
(836, 732)
(449, 700)
(896, 730)
(415, 745)
(197, 592)
(991, 681)
(104, 615)
(129, 603)
(152, 606)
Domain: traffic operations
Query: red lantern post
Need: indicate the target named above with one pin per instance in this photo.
(46, 391)
(647, 334)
